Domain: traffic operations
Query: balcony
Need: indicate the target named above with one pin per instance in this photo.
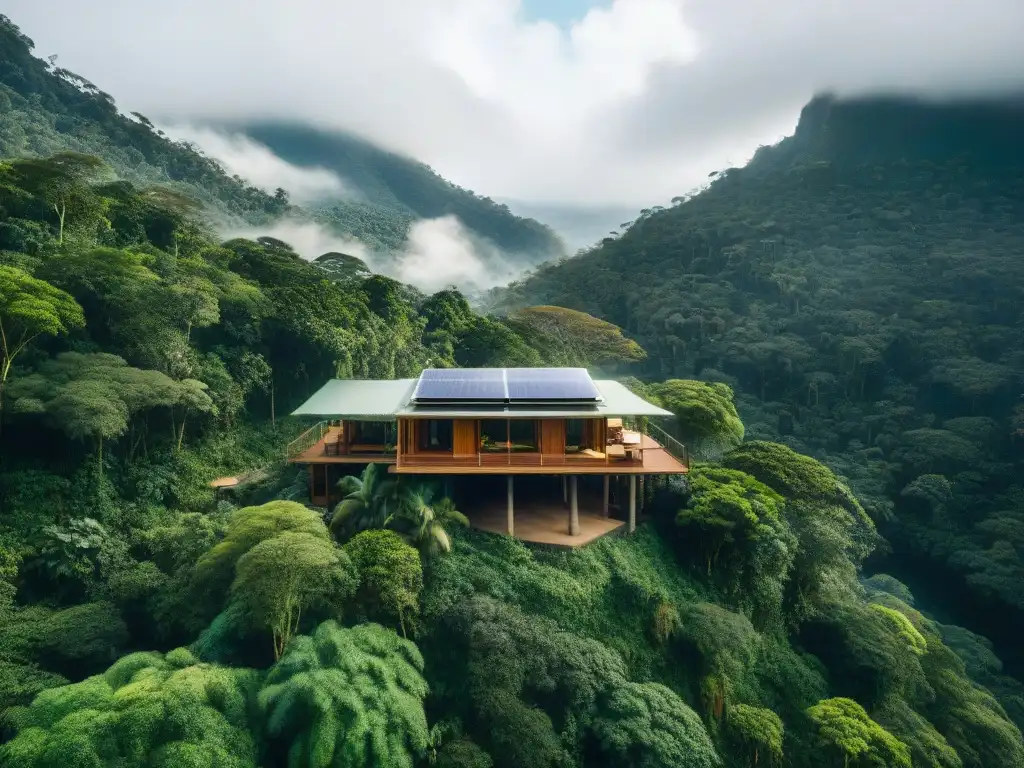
(326, 443)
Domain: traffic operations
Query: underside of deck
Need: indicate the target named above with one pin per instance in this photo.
(544, 523)
(541, 510)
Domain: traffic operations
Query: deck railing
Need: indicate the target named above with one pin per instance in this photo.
(512, 459)
(306, 440)
(669, 443)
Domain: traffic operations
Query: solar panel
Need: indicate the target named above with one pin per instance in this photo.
(505, 385)
(461, 385)
(550, 384)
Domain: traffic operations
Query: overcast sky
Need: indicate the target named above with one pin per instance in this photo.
(626, 102)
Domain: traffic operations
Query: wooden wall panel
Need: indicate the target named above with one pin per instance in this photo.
(594, 431)
(464, 439)
(552, 436)
(410, 435)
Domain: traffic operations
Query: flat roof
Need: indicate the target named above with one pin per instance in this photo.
(386, 399)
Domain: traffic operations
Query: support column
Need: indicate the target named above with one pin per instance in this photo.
(604, 504)
(565, 490)
(632, 503)
(574, 511)
(509, 516)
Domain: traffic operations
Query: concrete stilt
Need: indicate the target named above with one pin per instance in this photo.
(510, 517)
(604, 507)
(632, 503)
(574, 511)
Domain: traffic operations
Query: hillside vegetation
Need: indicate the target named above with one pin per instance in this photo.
(860, 284)
(403, 188)
(45, 109)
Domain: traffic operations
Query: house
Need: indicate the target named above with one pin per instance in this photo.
(511, 423)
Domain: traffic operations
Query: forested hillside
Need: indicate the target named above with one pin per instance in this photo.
(45, 109)
(403, 188)
(146, 621)
(861, 285)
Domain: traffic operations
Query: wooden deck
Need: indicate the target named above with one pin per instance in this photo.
(656, 461)
(543, 522)
(317, 453)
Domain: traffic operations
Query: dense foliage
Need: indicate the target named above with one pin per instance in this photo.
(46, 108)
(859, 287)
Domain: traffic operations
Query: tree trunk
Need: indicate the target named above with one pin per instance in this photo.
(181, 433)
(273, 417)
(61, 212)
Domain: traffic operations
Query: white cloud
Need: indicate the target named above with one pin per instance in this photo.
(259, 166)
(632, 104)
(307, 238)
(437, 253)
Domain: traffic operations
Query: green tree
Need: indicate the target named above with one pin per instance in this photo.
(193, 396)
(569, 337)
(246, 528)
(281, 577)
(489, 342)
(833, 531)
(364, 504)
(390, 575)
(758, 731)
(92, 395)
(63, 182)
(350, 697)
(705, 414)
(30, 308)
(646, 725)
(723, 645)
(423, 521)
(146, 710)
(845, 726)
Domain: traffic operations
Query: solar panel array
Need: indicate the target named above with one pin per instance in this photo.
(505, 385)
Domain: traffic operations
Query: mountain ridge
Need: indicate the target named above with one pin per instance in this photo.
(49, 109)
(404, 185)
(859, 284)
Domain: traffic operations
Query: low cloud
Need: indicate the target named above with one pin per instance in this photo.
(437, 253)
(631, 104)
(441, 252)
(307, 238)
(258, 165)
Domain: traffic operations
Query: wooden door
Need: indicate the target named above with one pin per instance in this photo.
(464, 437)
(552, 437)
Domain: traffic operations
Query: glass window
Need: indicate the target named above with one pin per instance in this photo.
(372, 433)
(436, 435)
(523, 434)
(494, 435)
(574, 435)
